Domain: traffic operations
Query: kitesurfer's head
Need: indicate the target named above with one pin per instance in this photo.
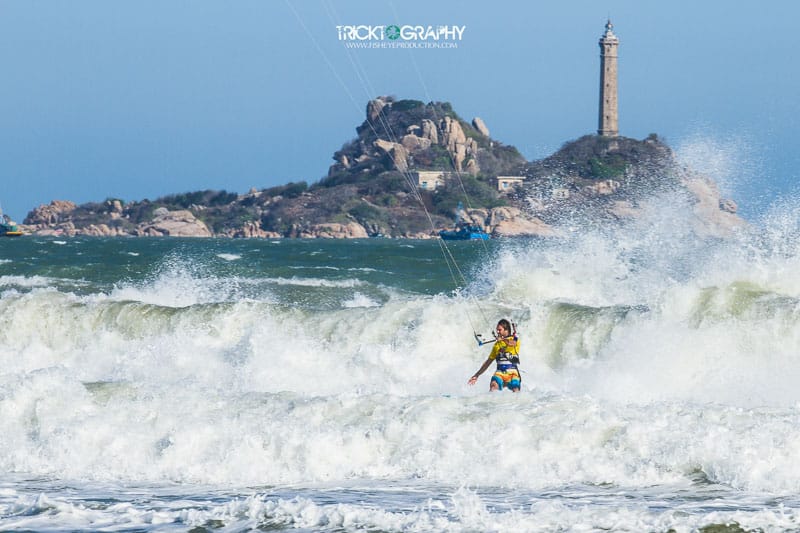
(503, 328)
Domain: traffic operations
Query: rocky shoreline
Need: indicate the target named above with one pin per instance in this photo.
(711, 215)
(54, 220)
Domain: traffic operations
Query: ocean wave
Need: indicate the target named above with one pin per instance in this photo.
(314, 267)
(456, 510)
(649, 358)
(360, 300)
(315, 282)
(25, 281)
(732, 344)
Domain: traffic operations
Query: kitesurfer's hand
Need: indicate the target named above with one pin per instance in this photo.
(473, 380)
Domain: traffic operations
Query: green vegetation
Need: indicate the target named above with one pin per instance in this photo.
(595, 157)
(434, 158)
(206, 198)
(221, 220)
(388, 200)
(272, 221)
(611, 166)
(368, 215)
(388, 183)
(290, 190)
(406, 105)
(364, 211)
(641, 167)
(471, 133)
(444, 109)
(501, 160)
(481, 195)
(140, 211)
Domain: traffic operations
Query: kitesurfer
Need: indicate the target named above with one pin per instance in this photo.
(505, 353)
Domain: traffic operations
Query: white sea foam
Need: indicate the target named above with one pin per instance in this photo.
(175, 289)
(229, 257)
(25, 281)
(193, 421)
(315, 267)
(315, 282)
(178, 283)
(461, 510)
(360, 300)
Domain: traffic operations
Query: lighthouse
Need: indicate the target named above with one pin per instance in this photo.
(608, 125)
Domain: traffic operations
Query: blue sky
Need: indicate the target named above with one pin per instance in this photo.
(140, 99)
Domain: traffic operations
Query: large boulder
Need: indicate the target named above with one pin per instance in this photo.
(429, 131)
(480, 125)
(335, 230)
(249, 230)
(512, 222)
(50, 214)
(374, 108)
(411, 142)
(180, 223)
(103, 230)
(454, 140)
(396, 151)
(458, 144)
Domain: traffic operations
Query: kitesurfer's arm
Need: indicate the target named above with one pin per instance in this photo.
(480, 371)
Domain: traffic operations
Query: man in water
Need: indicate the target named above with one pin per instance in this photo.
(506, 353)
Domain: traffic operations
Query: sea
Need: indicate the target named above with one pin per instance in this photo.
(170, 384)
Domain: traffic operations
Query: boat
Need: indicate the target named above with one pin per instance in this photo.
(7, 227)
(464, 231)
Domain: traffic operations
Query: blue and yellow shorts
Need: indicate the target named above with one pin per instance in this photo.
(508, 378)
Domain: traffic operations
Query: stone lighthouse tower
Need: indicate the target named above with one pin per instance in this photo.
(608, 125)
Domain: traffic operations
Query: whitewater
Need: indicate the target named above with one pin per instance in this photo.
(217, 384)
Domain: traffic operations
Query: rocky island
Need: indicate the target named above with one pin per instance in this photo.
(404, 175)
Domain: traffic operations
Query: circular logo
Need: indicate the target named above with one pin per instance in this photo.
(393, 32)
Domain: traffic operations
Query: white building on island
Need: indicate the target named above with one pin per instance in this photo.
(429, 180)
(506, 184)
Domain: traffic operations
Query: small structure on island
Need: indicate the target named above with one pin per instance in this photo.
(429, 180)
(506, 184)
(608, 125)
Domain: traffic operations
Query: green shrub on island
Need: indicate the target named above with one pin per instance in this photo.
(290, 190)
(207, 198)
(445, 200)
